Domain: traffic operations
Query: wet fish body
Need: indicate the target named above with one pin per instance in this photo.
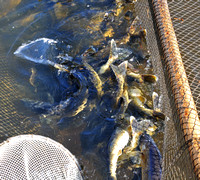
(138, 102)
(73, 105)
(120, 74)
(151, 159)
(142, 77)
(95, 79)
(119, 140)
(115, 53)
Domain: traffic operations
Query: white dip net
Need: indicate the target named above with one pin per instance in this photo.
(36, 157)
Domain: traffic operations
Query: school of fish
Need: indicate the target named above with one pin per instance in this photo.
(131, 137)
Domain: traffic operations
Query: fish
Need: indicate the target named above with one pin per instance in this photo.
(95, 79)
(112, 57)
(120, 74)
(138, 102)
(135, 131)
(141, 78)
(151, 159)
(118, 141)
(115, 53)
(71, 106)
(124, 102)
(134, 26)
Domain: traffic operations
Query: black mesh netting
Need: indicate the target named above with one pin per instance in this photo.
(186, 21)
(177, 163)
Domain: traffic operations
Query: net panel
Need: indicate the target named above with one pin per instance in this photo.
(36, 157)
(11, 122)
(185, 16)
(180, 151)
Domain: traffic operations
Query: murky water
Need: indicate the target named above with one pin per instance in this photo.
(73, 26)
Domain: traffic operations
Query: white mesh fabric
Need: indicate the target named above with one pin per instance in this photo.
(36, 157)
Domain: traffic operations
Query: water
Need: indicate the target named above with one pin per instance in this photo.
(36, 37)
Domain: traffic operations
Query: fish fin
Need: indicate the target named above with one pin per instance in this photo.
(159, 114)
(119, 70)
(120, 152)
(123, 68)
(149, 78)
(142, 99)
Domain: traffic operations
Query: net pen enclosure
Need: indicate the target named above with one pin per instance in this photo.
(106, 89)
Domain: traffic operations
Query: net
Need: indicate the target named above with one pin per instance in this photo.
(185, 17)
(181, 139)
(36, 157)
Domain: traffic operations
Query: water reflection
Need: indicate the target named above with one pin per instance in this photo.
(66, 43)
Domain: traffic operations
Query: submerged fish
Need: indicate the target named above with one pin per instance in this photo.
(151, 159)
(115, 53)
(94, 78)
(71, 106)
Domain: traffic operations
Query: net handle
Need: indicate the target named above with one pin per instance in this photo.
(185, 107)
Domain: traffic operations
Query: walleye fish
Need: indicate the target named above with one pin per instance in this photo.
(141, 78)
(151, 159)
(125, 102)
(138, 102)
(134, 26)
(120, 74)
(120, 139)
(94, 78)
(115, 53)
(135, 131)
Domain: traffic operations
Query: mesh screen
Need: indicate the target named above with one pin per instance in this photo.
(11, 122)
(36, 157)
(186, 21)
(177, 163)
